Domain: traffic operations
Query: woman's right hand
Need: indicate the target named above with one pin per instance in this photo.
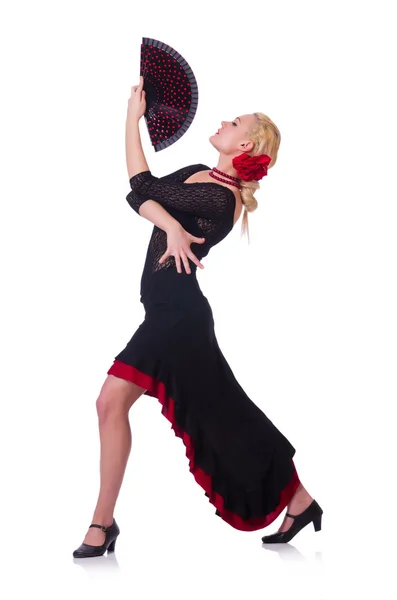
(178, 245)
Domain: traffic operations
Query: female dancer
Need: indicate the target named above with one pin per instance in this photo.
(236, 454)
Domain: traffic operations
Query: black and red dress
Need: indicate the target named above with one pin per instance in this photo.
(236, 454)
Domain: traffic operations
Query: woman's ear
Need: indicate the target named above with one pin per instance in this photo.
(247, 146)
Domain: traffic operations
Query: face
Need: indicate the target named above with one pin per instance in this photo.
(232, 137)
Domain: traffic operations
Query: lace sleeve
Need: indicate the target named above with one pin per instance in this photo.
(202, 199)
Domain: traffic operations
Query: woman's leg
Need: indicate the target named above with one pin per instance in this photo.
(113, 404)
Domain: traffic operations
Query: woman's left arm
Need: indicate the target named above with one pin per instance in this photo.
(178, 240)
(136, 161)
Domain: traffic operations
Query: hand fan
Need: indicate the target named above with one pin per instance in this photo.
(171, 93)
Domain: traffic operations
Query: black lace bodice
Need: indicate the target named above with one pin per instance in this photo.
(204, 209)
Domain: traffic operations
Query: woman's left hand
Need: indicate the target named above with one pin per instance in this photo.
(137, 101)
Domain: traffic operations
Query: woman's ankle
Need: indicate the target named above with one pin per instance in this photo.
(103, 518)
(301, 494)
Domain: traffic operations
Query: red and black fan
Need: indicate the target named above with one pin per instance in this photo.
(171, 93)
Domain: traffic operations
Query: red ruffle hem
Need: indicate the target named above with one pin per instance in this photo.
(157, 390)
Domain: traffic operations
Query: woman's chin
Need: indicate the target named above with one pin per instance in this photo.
(212, 139)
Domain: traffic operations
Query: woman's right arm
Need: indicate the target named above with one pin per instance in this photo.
(178, 239)
(155, 213)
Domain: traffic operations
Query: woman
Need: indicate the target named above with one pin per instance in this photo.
(240, 459)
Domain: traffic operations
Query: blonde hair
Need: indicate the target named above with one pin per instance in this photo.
(266, 137)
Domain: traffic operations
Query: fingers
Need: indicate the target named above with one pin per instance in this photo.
(185, 262)
(190, 253)
(177, 261)
(195, 260)
(178, 264)
(139, 87)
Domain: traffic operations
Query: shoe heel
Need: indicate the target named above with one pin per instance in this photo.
(317, 523)
(112, 545)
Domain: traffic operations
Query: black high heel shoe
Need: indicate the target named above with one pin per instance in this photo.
(87, 551)
(313, 513)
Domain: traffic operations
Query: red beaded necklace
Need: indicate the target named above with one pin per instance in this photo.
(235, 180)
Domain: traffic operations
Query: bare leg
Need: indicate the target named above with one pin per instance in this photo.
(113, 405)
(299, 502)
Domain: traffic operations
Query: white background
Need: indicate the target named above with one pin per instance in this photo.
(305, 314)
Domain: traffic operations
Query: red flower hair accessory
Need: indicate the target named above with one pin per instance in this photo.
(251, 168)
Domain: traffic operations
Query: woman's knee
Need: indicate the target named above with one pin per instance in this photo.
(116, 397)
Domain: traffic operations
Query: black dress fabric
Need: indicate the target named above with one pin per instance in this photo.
(236, 454)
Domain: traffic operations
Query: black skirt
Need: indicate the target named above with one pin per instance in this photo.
(236, 454)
